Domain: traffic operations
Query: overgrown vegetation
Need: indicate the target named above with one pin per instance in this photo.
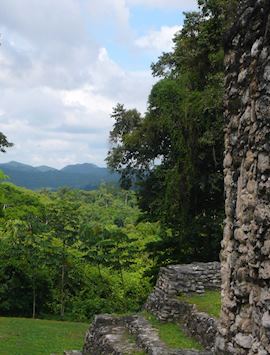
(175, 152)
(72, 253)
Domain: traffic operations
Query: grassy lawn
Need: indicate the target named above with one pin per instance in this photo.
(172, 335)
(209, 302)
(20, 336)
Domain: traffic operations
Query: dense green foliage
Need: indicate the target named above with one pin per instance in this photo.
(175, 151)
(72, 253)
(21, 336)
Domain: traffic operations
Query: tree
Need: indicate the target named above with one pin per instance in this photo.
(62, 217)
(22, 248)
(126, 121)
(4, 144)
(175, 152)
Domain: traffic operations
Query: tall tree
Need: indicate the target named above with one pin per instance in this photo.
(176, 151)
(62, 217)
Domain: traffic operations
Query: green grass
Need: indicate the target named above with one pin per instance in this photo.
(172, 335)
(20, 336)
(209, 302)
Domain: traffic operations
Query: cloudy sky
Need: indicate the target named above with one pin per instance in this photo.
(65, 63)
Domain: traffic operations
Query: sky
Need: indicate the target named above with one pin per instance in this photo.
(64, 64)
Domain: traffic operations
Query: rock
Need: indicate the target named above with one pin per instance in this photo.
(263, 162)
(255, 47)
(245, 341)
(227, 160)
(266, 320)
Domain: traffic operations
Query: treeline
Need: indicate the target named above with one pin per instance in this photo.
(72, 254)
(174, 153)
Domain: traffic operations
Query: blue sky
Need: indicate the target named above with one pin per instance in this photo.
(66, 63)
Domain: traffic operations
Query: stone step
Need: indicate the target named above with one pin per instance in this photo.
(148, 338)
(128, 335)
(109, 335)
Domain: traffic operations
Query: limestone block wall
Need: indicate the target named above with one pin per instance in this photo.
(179, 279)
(245, 321)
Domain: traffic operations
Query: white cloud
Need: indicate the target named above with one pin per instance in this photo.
(186, 5)
(113, 16)
(59, 82)
(44, 22)
(57, 126)
(160, 41)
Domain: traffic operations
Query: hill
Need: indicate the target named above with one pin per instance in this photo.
(81, 176)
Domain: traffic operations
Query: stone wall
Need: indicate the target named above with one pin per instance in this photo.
(245, 321)
(108, 335)
(177, 279)
(183, 279)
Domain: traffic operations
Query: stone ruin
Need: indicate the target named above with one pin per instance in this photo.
(177, 280)
(111, 334)
(245, 320)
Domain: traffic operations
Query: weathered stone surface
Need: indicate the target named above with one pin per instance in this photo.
(245, 328)
(147, 337)
(179, 279)
(108, 335)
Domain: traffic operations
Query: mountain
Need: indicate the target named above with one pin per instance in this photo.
(85, 168)
(44, 168)
(18, 166)
(81, 176)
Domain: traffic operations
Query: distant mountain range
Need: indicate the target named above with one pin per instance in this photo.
(81, 176)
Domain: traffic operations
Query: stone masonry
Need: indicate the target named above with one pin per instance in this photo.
(111, 334)
(245, 320)
(185, 279)
(108, 335)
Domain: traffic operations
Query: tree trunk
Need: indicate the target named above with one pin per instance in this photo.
(62, 305)
(34, 299)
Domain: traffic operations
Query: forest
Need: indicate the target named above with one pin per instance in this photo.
(71, 254)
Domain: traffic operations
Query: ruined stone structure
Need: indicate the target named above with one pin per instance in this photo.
(245, 321)
(177, 280)
(121, 335)
(110, 335)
